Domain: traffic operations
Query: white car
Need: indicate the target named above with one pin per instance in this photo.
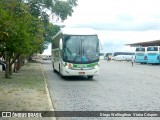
(46, 58)
(123, 57)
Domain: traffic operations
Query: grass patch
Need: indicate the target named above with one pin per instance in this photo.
(28, 77)
(25, 90)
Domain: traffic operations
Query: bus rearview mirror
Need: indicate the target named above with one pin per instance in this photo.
(60, 44)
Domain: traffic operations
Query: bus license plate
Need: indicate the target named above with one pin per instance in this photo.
(81, 73)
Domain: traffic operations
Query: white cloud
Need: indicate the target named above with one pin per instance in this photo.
(108, 11)
(118, 22)
(115, 40)
(47, 51)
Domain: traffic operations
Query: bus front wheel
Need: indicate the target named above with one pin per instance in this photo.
(90, 76)
(60, 74)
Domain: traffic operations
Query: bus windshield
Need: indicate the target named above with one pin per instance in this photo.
(152, 49)
(80, 48)
(140, 49)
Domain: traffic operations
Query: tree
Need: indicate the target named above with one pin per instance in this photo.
(44, 9)
(25, 27)
(23, 37)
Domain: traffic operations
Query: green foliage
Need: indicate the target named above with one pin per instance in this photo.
(50, 31)
(62, 9)
(25, 27)
(20, 29)
(24, 24)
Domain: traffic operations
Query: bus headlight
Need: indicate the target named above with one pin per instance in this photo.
(69, 65)
(96, 66)
(66, 66)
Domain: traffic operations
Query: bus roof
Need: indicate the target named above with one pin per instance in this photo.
(78, 31)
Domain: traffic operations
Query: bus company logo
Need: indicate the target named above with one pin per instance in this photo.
(6, 114)
(81, 66)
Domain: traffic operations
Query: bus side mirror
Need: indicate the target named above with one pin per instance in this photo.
(60, 44)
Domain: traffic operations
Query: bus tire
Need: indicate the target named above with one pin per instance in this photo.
(60, 75)
(54, 70)
(90, 76)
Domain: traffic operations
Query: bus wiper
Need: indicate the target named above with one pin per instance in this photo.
(85, 56)
(78, 53)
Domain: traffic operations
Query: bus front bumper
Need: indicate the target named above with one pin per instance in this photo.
(141, 61)
(153, 61)
(70, 72)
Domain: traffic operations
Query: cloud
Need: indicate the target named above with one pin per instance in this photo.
(123, 15)
(128, 26)
(118, 22)
(114, 41)
(109, 46)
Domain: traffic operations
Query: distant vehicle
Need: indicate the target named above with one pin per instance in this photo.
(3, 65)
(46, 58)
(75, 52)
(107, 56)
(123, 57)
(153, 54)
(141, 55)
(123, 53)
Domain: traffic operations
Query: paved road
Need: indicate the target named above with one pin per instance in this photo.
(119, 87)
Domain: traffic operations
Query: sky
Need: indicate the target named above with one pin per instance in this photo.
(118, 22)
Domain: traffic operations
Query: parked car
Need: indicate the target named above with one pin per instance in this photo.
(3, 65)
(46, 58)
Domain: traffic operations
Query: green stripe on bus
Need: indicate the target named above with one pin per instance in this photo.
(85, 65)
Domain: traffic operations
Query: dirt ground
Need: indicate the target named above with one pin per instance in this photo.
(25, 91)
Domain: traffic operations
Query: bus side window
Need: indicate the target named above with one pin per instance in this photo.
(56, 54)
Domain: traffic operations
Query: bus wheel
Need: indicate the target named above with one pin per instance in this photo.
(90, 76)
(54, 68)
(60, 75)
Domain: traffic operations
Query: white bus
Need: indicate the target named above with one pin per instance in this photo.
(75, 52)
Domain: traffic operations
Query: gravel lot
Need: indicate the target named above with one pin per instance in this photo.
(119, 87)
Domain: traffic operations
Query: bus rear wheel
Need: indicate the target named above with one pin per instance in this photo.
(90, 76)
(53, 68)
